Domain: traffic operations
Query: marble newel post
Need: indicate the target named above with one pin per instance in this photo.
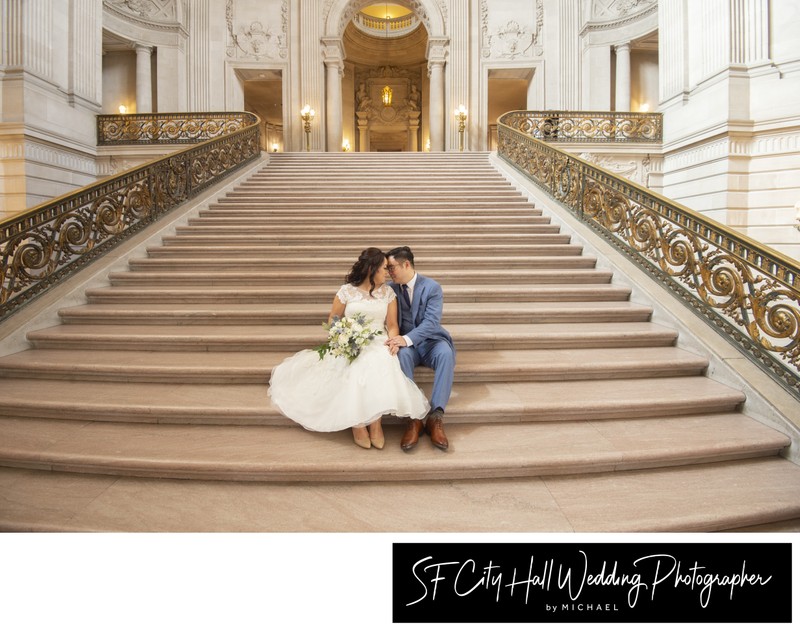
(333, 56)
(144, 81)
(436, 106)
(623, 91)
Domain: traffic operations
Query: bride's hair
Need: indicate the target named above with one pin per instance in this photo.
(370, 261)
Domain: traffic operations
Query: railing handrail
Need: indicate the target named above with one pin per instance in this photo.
(160, 127)
(40, 247)
(747, 290)
(588, 126)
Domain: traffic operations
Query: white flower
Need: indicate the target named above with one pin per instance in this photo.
(346, 337)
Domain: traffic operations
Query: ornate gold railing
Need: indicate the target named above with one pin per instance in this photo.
(169, 128)
(46, 244)
(561, 126)
(747, 291)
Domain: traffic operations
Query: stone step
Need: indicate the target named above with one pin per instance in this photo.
(293, 278)
(355, 223)
(333, 227)
(317, 264)
(217, 367)
(291, 338)
(463, 235)
(454, 193)
(500, 243)
(436, 254)
(323, 295)
(304, 314)
(397, 205)
(471, 215)
(694, 498)
(274, 454)
(481, 403)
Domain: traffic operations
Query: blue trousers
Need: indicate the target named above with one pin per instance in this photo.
(437, 355)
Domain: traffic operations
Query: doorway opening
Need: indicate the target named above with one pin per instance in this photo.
(509, 89)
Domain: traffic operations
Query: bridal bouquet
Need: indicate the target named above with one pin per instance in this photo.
(347, 336)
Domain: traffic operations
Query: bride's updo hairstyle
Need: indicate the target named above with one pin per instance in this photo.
(367, 265)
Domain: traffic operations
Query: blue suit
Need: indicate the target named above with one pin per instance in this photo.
(432, 344)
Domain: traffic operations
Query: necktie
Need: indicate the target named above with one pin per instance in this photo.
(405, 294)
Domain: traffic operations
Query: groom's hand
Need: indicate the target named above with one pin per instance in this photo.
(396, 343)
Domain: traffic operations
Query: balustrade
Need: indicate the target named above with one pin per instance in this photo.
(747, 291)
(605, 127)
(48, 243)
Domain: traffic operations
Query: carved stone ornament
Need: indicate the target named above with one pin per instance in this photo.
(404, 82)
(159, 10)
(254, 40)
(612, 9)
(511, 40)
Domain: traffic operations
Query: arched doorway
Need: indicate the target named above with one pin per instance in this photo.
(385, 79)
(392, 80)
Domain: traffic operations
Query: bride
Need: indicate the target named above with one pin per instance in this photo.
(330, 394)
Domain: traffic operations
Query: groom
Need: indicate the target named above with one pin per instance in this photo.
(422, 340)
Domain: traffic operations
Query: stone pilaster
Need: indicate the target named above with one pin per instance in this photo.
(311, 75)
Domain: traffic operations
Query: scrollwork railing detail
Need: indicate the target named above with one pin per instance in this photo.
(44, 245)
(161, 128)
(749, 292)
(588, 127)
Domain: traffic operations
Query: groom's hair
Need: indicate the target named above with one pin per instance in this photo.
(402, 253)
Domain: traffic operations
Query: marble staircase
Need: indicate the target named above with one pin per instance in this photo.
(146, 408)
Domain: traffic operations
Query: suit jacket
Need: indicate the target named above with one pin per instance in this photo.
(426, 312)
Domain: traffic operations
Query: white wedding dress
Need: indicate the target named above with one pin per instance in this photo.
(331, 394)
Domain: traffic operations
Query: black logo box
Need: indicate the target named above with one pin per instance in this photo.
(597, 582)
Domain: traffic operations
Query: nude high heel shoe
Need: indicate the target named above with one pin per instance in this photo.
(361, 437)
(376, 434)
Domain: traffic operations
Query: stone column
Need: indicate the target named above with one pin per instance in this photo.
(333, 102)
(436, 114)
(333, 57)
(623, 93)
(437, 54)
(144, 81)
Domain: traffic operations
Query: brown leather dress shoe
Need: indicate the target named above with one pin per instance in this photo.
(411, 437)
(435, 427)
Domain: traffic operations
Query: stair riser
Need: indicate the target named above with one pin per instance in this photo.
(256, 344)
(378, 473)
(219, 295)
(357, 224)
(290, 279)
(254, 377)
(424, 255)
(499, 243)
(312, 316)
(367, 232)
(200, 416)
(315, 266)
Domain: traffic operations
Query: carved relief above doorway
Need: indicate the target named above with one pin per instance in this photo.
(388, 101)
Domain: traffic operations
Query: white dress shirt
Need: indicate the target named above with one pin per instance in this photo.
(410, 289)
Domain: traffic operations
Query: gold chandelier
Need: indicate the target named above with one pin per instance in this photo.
(386, 96)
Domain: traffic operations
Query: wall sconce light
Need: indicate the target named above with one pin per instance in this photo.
(644, 107)
(307, 114)
(274, 147)
(386, 96)
(123, 109)
(428, 144)
(346, 145)
(461, 117)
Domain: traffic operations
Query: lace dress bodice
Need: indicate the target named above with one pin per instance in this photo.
(373, 307)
